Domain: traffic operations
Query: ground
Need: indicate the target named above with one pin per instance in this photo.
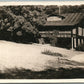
(30, 57)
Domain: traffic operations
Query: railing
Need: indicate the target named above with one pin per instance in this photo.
(48, 34)
(64, 35)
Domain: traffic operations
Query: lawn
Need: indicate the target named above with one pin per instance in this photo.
(23, 61)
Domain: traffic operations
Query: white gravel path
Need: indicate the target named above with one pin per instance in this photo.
(28, 56)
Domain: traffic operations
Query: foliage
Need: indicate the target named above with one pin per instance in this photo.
(80, 47)
(72, 9)
(19, 22)
(53, 38)
(50, 10)
(48, 52)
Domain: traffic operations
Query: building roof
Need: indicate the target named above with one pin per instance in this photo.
(70, 19)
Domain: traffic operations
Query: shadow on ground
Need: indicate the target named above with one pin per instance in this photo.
(47, 74)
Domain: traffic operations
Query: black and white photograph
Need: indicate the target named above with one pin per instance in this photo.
(42, 41)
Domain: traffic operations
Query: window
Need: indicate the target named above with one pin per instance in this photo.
(54, 18)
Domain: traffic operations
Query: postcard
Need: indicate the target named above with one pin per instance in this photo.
(42, 40)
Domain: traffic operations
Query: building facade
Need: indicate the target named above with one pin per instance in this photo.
(69, 27)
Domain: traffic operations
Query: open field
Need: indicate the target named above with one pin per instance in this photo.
(28, 61)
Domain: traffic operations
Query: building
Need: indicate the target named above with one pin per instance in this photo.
(69, 27)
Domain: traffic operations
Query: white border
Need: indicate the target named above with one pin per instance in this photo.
(42, 3)
(42, 81)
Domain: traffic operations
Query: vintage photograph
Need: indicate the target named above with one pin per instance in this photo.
(42, 41)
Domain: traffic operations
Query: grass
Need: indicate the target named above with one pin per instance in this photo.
(47, 74)
(48, 52)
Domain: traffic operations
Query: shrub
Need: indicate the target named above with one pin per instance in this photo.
(80, 47)
(48, 52)
(15, 27)
(53, 38)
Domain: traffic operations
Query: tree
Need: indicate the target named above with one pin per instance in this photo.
(16, 27)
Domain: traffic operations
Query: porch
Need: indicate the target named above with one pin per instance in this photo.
(73, 38)
(68, 26)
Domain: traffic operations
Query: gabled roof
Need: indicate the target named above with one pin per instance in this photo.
(70, 19)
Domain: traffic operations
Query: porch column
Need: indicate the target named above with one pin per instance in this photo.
(82, 41)
(72, 40)
(76, 36)
(79, 42)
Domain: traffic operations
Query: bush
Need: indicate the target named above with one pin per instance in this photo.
(53, 41)
(80, 47)
(48, 52)
(15, 27)
(53, 38)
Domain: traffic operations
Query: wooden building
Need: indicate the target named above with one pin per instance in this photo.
(67, 26)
